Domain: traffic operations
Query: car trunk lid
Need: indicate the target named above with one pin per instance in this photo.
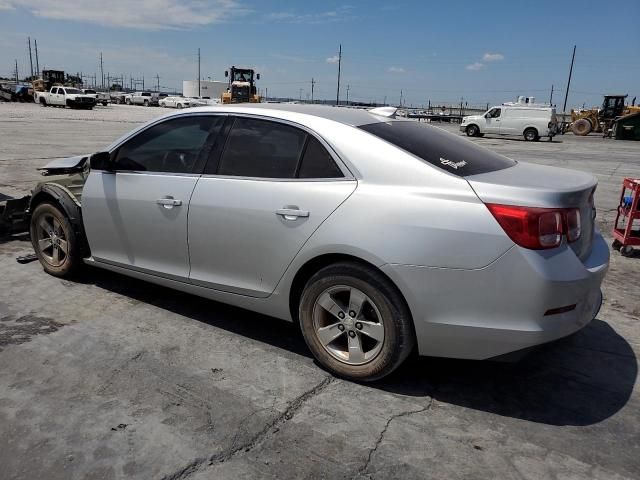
(532, 185)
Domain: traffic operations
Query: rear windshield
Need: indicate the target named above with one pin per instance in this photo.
(439, 148)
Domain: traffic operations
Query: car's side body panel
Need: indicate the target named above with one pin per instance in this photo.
(238, 241)
(126, 226)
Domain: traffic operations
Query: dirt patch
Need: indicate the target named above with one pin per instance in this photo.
(14, 331)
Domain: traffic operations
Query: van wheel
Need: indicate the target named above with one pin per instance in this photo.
(54, 240)
(355, 322)
(531, 135)
(472, 131)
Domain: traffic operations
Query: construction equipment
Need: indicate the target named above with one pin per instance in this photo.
(241, 87)
(600, 120)
(48, 79)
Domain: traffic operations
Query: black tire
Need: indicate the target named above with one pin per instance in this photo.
(399, 336)
(626, 250)
(472, 131)
(179, 105)
(146, 103)
(104, 104)
(531, 135)
(127, 101)
(582, 127)
(71, 260)
(43, 102)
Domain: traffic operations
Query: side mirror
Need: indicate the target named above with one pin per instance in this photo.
(226, 73)
(258, 76)
(101, 161)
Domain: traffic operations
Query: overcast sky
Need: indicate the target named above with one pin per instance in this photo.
(489, 51)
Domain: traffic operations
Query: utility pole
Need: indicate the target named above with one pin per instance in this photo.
(348, 94)
(143, 81)
(401, 98)
(551, 96)
(30, 57)
(157, 83)
(16, 72)
(266, 93)
(199, 94)
(339, 66)
(101, 70)
(300, 96)
(37, 65)
(566, 93)
(385, 101)
(313, 82)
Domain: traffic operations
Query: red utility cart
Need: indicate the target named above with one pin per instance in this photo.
(626, 234)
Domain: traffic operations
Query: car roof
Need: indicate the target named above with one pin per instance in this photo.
(348, 116)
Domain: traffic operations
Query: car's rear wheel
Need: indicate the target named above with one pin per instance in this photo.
(54, 240)
(472, 131)
(355, 322)
(531, 135)
(179, 105)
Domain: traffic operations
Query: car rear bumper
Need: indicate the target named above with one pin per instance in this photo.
(506, 306)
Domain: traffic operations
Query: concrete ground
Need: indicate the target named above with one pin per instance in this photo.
(108, 377)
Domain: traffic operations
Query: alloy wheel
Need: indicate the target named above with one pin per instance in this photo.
(52, 242)
(348, 325)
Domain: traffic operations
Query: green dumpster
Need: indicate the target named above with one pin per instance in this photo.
(627, 127)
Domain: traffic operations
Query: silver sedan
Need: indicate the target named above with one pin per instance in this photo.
(380, 236)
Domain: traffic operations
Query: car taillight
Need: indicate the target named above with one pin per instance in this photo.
(537, 228)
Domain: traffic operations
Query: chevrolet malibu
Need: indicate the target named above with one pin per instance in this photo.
(378, 235)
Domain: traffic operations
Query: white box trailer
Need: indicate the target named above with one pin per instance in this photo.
(208, 89)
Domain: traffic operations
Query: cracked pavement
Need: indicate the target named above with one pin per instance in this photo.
(107, 377)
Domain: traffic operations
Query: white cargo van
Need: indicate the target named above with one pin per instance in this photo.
(514, 118)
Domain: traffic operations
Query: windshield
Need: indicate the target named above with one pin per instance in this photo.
(439, 148)
(89, 91)
(242, 76)
(72, 90)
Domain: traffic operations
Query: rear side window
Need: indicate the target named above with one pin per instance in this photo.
(439, 148)
(259, 148)
(317, 163)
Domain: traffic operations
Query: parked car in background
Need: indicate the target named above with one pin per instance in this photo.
(174, 101)
(203, 101)
(101, 97)
(66, 97)
(148, 99)
(529, 120)
(376, 234)
(117, 97)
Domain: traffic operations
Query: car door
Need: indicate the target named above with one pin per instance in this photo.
(136, 215)
(262, 196)
(56, 97)
(492, 120)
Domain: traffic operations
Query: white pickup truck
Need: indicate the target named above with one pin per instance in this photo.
(66, 97)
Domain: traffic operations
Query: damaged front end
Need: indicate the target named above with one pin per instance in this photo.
(68, 174)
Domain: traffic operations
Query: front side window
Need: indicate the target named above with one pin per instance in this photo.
(494, 113)
(172, 146)
(260, 148)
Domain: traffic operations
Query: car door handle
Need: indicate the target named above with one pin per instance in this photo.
(292, 213)
(169, 202)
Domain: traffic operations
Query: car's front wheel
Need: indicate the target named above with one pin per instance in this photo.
(355, 322)
(472, 131)
(54, 240)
